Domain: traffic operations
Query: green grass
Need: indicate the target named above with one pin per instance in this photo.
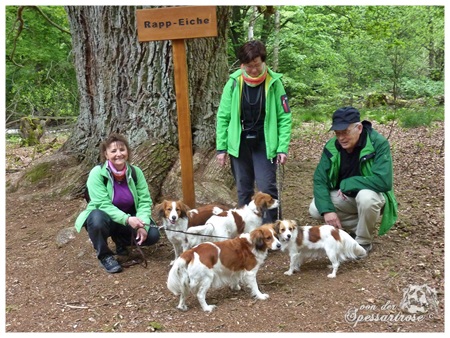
(421, 117)
(13, 138)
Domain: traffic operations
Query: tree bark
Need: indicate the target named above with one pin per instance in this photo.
(276, 43)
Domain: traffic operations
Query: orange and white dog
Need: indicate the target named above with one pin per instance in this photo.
(304, 242)
(177, 217)
(231, 223)
(213, 265)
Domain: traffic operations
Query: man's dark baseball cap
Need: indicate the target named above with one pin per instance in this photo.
(343, 117)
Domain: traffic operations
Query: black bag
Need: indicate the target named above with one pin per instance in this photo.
(105, 182)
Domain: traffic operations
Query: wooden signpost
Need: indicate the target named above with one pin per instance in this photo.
(177, 24)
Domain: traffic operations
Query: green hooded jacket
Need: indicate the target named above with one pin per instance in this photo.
(277, 123)
(102, 196)
(376, 174)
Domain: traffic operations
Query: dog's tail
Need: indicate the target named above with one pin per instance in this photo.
(351, 248)
(178, 279)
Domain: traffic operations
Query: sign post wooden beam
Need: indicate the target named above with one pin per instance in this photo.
(177, 24)
(184, 121)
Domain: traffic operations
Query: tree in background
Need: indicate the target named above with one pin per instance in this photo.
(326, 53)
(333, 53)
(40, 77)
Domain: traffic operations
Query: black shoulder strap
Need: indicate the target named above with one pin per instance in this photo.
(133, 174)
(105, 179)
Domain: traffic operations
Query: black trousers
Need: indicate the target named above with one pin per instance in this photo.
(253, 166)
(100, 226)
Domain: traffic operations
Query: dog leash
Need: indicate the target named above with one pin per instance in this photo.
(189, 233)
(280, 178)
(141, 260)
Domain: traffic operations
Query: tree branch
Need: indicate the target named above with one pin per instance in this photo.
(19, 30)
(50, 21)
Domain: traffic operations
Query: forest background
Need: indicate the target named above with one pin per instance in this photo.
(81, 69)
(370, 55)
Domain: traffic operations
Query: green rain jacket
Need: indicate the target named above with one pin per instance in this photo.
(277, 123)
(102, 197)
(376, 174)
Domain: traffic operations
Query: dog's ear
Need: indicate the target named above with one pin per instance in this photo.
(159, 209)
(258, 239)
(184, 209)
(276, 226)
(261, 202)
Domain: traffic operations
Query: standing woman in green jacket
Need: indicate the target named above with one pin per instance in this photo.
(120, 204)
(254, 125)
(353, 182)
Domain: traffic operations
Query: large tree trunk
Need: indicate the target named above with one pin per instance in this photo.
(128, 87)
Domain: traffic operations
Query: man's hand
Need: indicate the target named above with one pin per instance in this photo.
(341, 195)
(332, 218)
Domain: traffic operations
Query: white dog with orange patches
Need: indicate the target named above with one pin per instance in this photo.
(177, 217)
(304, 242)
(231, 223)
(213, 265)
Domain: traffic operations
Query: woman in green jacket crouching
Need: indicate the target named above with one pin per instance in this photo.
(120, 204)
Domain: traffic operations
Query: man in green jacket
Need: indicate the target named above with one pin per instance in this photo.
(254, 125)
(353, 182)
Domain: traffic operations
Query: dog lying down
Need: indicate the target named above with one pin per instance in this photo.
(304, 242)
(213, 265)
(231, 223)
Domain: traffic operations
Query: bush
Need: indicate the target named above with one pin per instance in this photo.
(417, 88)
(417, 118)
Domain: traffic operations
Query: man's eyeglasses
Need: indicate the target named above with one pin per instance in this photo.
(346, 132)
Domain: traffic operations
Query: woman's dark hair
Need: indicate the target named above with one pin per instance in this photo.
(251, 50)
(111, 139)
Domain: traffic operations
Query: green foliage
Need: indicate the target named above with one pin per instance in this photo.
(13, 139)
(407, 117)
(420, 117)
(332, 55)
(40, 76)
(415, 88)
(155, 326)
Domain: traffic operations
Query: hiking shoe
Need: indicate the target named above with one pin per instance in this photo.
(121, 251)
(110, 264)
(367, 247)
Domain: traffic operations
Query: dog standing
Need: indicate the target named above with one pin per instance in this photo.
(177, 217)
(313, 241)
(231, 223)
(221, 263)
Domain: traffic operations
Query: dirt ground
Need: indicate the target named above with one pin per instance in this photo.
(52, 289)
